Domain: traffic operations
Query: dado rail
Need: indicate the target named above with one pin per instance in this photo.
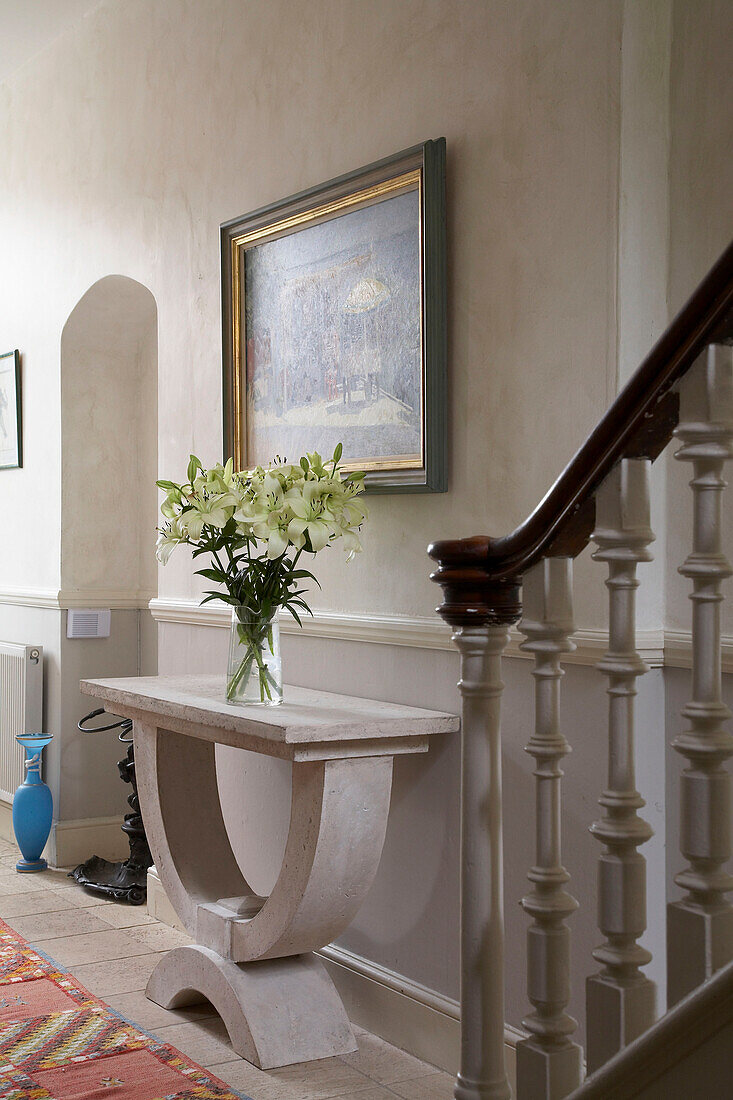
(684, 389)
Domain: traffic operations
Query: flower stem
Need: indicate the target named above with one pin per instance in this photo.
(254, 636)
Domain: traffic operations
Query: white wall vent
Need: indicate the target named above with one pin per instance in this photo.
(87, 622)
(21, 709)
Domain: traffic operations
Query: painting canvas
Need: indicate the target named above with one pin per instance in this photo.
(334, 324)
(333, 338)
(10, 437)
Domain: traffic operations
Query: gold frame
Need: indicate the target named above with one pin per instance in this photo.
(421, 169)
(369, 196)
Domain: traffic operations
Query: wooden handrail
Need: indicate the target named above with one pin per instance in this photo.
(481, 576)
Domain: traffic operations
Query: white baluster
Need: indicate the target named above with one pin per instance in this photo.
(482, 1074)
(620, 1000)
(700, 927)
(548, 1063)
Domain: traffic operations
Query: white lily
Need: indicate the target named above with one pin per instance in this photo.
(170, 507)
(215, 511)
(169, 537)
(351, 543)
(311, 515)
(275, 532)
(265, 500)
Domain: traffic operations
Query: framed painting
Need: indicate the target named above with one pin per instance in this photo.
(11, 439)
(334, 313)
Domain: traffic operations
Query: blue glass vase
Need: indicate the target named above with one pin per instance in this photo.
(32, 805)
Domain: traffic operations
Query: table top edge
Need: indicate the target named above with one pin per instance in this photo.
(371, 719)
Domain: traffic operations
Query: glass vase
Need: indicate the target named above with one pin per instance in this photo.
(254, 674)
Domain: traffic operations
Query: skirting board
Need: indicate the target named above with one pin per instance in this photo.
(159, 905)
(6, 821)
(72, 842)
(404, 1013)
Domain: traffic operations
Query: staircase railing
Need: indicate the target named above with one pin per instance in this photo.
(683, 388)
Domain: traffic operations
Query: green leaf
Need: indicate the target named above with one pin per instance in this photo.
(304, 464)
(295, 614)
(211, 575)
(337, 453)
(225, 597)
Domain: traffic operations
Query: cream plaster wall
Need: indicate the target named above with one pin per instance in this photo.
(643, 233)
(88, 782)
(202, 111)
(701, 217)
(643, 251)
(109, 404)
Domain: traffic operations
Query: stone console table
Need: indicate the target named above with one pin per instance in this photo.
(253, 957)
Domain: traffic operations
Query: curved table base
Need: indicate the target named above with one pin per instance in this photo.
(276, 1012)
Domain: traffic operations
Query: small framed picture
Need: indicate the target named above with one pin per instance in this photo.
(334, 311)
(11, 439)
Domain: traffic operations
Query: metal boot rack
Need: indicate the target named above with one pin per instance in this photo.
(123, 881)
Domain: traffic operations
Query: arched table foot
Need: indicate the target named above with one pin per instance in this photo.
(276, 1012)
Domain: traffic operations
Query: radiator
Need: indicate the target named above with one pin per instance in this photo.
(21, 709)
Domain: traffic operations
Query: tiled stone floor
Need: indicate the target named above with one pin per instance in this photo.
(113, 948)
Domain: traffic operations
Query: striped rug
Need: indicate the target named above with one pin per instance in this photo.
(58, 1042)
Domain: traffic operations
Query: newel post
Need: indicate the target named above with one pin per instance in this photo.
(479, 612)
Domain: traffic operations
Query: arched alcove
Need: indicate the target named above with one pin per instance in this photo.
(109, 501)
(109, 433)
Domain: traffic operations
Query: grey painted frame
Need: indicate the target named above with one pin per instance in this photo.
(18, 413)
(430, 159)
